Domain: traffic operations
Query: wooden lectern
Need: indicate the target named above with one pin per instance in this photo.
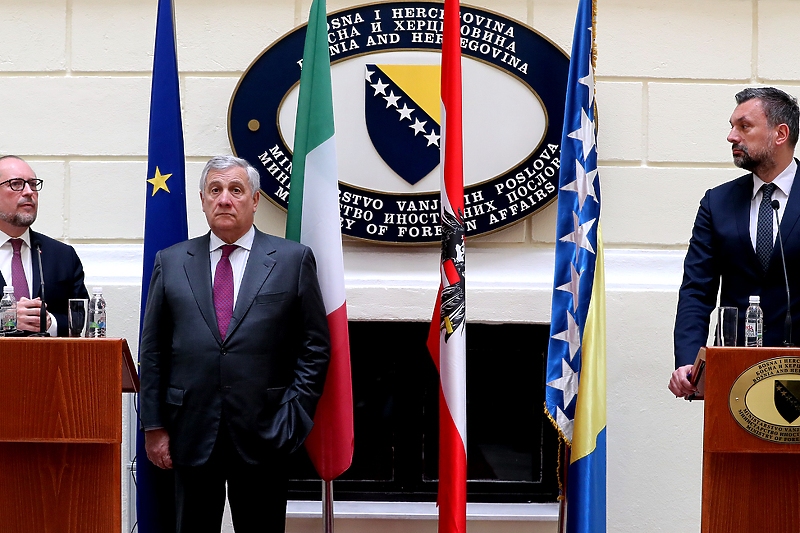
(61, 433)
(749, 484)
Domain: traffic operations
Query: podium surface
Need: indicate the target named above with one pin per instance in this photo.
(749, 483)
(61, 434)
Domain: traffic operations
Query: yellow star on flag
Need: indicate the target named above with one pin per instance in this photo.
(159, 181)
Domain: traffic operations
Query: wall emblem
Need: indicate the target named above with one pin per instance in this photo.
(401, 109)
(385, 66)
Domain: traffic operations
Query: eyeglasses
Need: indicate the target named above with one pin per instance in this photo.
(19, 184)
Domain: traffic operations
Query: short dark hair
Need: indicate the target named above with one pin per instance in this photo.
(779, 107)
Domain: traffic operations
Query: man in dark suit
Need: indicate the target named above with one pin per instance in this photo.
(234, 351)
(63, 271)
(733, 247)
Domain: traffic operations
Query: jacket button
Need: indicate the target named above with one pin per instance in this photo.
(224, 352)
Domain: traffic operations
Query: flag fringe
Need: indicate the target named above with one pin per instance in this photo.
(561, 435)
(594, 35)
(562, 442)
(594, 58)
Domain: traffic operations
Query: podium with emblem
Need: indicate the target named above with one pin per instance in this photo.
(751, 440)
(61, 433)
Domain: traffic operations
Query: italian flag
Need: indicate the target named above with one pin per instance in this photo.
(313, 219)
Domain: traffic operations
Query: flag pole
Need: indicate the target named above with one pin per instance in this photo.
(562, 504)
(313, 220)
(447, 334)
(327, 506)
(165, 224)
(575, 395)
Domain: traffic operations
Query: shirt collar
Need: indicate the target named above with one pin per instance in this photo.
(4, 237)
(783, 181)
(245, 241)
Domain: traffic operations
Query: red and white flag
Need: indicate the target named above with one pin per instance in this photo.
(446, 340)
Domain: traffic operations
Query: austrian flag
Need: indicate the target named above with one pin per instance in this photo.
(447, 338)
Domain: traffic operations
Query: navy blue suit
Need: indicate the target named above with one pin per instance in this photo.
(721, 257)
(63, 277)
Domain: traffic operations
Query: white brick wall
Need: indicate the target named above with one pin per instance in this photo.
(33, 36)
(75, 82)
(75, 115)
(682, 39)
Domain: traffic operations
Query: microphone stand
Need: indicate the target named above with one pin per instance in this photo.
(787, 325)
(43, 314)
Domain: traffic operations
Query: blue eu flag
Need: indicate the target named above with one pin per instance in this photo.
(165, 224)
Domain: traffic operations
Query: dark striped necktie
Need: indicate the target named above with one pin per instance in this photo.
(764, 233)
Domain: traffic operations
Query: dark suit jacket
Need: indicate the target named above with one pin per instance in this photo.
(63, 277)
(264, 380)
(721, 252)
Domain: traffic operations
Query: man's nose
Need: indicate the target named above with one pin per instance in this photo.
(733, 136)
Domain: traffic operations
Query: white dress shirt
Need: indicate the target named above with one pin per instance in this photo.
(783, 186)
(7, 253)
(238, 258)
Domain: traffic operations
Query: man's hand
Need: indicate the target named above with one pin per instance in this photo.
(156, 443)
(29, 313)
(679, 384)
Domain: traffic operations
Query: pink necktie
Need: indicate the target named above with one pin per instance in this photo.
(223, 289)
(18, 279)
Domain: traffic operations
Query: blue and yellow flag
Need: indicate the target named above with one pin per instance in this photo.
(165, 224)
(575, 396)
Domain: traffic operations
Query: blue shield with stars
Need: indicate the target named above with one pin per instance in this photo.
(402, 107)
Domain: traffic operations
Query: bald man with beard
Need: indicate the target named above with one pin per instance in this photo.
(63, 271)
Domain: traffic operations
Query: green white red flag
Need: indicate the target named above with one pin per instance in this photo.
(446, 340)
(313, 219)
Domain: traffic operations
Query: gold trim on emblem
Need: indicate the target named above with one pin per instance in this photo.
(765, 400)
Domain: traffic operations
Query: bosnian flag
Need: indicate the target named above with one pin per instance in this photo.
(575, 395)
(446, 340)
(313, 219)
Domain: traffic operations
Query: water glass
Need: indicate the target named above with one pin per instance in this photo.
(77, 312)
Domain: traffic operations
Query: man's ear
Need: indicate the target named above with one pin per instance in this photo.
(782, 134)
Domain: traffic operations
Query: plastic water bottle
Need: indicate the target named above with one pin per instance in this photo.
(754, 323)
(8, 309)
(97, 314)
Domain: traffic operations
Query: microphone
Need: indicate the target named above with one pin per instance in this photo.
(43, 314)
(787, 325)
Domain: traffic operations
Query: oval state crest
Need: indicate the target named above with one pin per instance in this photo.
(385, 68)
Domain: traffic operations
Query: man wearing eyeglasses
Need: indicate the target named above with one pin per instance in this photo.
(63, 271)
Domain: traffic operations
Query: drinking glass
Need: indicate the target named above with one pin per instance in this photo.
(77, 313)
(727, 326)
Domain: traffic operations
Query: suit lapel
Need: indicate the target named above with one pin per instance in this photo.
(198, 274)
(741, 207)
(259, 265)
(792, 211)
(36, 284)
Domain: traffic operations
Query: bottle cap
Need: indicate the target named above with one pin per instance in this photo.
(97, 290)
(755, 299)
(8, 289)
